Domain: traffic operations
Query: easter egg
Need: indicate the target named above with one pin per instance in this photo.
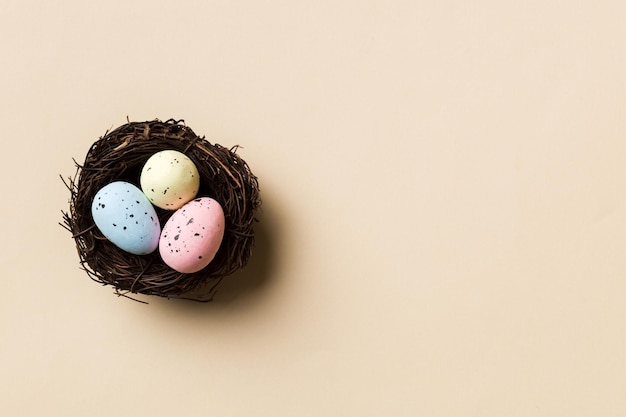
(192, 235)
(126, 218)
(169, 179)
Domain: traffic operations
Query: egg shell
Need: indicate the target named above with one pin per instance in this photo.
(126, 218)
(192, 235)
(169, 179)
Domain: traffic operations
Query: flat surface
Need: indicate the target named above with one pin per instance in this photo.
(444, 221)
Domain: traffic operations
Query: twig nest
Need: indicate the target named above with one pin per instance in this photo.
(121, 155)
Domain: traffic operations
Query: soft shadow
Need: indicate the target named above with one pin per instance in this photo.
(258, 273)
(248, 283)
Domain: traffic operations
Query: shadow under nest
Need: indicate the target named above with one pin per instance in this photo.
(119, 156)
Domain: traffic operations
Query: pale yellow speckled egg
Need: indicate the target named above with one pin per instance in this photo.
(169, 179)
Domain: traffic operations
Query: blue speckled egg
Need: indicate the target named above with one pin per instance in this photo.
(126, 217)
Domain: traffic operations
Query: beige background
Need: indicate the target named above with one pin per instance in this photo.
(444, 222)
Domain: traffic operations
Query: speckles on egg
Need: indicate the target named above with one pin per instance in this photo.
(192, 235)
(170, 179)
(120, 220)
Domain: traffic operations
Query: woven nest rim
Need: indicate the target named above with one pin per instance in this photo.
(119, 155)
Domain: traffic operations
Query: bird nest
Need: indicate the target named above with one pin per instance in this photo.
(120, 155)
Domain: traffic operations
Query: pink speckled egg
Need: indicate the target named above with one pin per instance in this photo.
(192, 235)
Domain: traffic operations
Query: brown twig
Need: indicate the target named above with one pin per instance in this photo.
(120, 155)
